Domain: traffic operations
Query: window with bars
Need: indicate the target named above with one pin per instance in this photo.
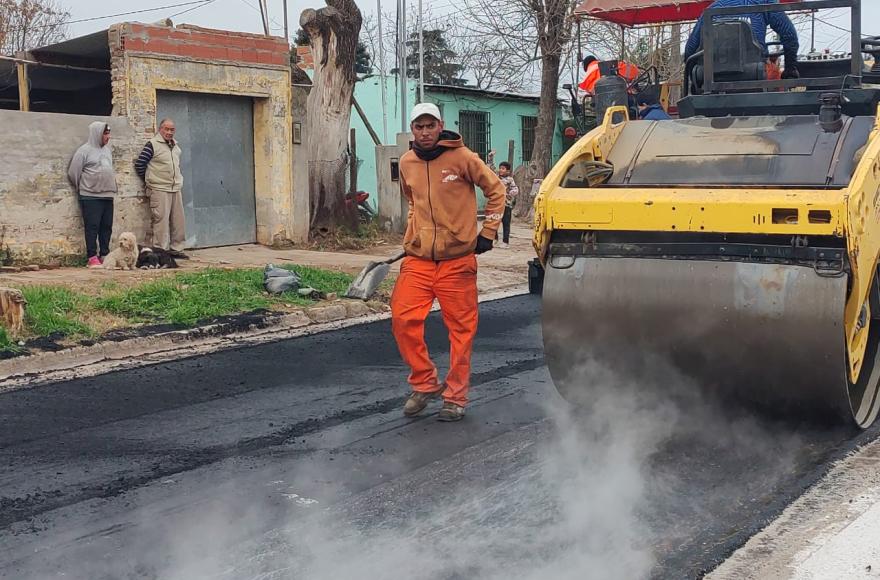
(474, 129)
(528, 125)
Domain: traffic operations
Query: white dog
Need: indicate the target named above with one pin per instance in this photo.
(125, 256)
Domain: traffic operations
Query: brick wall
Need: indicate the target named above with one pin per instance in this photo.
(205, 44)
(304, 58)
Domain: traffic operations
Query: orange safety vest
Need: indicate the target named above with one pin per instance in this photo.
(630, 72)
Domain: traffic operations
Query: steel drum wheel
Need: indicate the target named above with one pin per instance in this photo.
(771, 334)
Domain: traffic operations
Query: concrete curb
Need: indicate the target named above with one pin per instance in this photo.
(86, 361)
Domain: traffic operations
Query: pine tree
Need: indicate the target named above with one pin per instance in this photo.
(440, 61)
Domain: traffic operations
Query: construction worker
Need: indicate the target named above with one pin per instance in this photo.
(779, 22)
(629, 72)
(437, 177)
(649, 106)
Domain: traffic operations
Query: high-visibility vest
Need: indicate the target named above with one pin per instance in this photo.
(628, 71)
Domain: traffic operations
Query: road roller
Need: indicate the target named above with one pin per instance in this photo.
(737, 243)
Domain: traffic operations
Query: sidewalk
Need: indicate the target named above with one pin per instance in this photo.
(499, 268)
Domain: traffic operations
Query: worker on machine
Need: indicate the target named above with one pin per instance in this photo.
(629, 72)
(649, 106)
(779, 22)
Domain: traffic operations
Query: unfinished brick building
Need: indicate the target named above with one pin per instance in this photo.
(228, 93)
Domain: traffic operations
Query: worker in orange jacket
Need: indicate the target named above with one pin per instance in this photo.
(629, 72)
(437, 177)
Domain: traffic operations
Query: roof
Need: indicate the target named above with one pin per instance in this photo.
(90, 50)
(639, 12)
(482, 92)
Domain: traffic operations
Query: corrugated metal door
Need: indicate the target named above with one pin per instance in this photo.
(216, 134)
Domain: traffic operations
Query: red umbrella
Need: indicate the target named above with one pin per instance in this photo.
(638, 12)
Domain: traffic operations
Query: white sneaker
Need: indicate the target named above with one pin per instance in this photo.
(503, 245)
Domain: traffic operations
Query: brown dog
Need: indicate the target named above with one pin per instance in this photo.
(124, 257)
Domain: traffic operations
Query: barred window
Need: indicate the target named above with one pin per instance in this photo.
(528, 125)
(474, 128)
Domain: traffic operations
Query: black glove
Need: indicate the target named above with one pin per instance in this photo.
(483, 245)
(791, 72)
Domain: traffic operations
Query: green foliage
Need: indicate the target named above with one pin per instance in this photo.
(440, 64)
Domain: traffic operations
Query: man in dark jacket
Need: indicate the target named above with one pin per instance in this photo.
(649, 105)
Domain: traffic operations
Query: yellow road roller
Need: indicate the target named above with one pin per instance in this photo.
(739, 242)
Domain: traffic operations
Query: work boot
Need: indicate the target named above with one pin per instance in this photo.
(417, 402)
(451, 412)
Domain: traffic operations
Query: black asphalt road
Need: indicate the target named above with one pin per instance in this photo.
(292, 460)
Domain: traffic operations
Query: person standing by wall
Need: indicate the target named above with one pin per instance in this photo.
(91, 173)
(437, 177)
(159, 166)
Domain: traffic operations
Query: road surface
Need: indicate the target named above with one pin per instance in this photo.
(292, 460)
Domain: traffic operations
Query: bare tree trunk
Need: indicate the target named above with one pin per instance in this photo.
(542, 150)
(333, 35)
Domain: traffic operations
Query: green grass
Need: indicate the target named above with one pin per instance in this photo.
(55, 310)
(183, 298)
(192, 297)
(7, 344)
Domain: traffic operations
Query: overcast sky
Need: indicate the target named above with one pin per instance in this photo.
(244, 15)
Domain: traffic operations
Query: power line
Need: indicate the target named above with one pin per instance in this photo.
(245, 2)
(143, 10)
(202, 5)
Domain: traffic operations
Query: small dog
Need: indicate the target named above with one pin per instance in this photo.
(125, 256)
(155, 258)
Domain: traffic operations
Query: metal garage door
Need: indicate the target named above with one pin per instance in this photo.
(216, 134)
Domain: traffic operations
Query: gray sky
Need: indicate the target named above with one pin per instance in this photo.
(244, 15)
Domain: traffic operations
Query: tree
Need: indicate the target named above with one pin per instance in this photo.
(440, 61)
(28, 24)
(333, 37)
(552, 19)
(363, 63)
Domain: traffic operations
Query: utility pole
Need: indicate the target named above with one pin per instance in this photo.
(401, 57)
(382, 74)
(264, 13)
(286, 25)
(421, 56)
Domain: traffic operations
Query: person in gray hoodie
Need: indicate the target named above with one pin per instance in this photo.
(91, 172)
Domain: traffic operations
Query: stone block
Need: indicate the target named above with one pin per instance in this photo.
(327, 313)
(356, 308)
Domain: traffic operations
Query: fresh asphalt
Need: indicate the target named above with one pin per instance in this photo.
(292, 460)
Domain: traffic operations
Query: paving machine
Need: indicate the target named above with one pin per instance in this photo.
(739, 243)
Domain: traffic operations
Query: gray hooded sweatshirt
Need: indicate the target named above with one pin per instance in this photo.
(91, 169)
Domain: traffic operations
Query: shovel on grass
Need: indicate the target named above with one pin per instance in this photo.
(365, 284)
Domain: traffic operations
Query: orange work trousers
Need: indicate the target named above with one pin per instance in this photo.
(454, 284)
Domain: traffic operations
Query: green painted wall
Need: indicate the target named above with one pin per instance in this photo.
(505, 122)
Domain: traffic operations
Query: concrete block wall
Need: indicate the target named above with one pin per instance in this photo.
(40, 218)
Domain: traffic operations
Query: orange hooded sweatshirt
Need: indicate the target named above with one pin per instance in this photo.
(442, 221)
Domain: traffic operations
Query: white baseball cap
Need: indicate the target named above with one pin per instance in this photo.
(425, 109)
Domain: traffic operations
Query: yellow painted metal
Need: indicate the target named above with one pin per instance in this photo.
(696, 210)
(854, 214)
(863, 244)
(594, 146)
